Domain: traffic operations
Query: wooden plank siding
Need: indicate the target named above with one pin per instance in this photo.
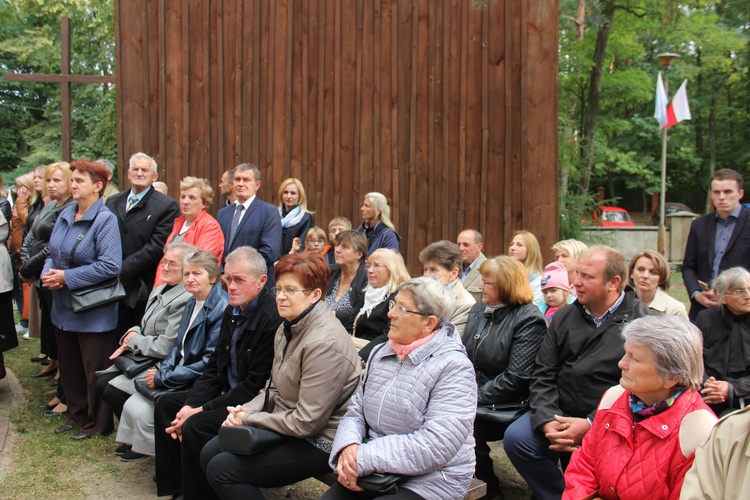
(448, 110)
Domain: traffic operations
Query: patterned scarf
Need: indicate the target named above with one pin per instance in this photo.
(642, 411)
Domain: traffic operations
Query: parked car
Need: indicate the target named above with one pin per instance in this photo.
(669, 209)
(612, 217)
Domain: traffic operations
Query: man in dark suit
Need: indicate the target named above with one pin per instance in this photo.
(717, 241)
(236, 371)
(250, 221)
(145, 217)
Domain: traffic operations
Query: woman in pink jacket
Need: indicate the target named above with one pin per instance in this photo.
(195, 226)
(647, 428)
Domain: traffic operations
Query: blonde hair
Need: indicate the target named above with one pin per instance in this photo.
(509, 276)
(574, 248)
(380, 203)
(203, 185)
(300, 188)
(533, 262)
(394, 262)
(62, 166)
(27, 181)
(316, 232)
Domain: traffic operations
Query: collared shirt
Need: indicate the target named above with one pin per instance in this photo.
(466, 270)
(241, 318)
(599, 321)
(246, 204)
(724, 230)
(138, 195)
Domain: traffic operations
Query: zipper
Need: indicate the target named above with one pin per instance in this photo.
(492, 322)
(385, 393)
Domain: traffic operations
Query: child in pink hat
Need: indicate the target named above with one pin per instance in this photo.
(555, 289)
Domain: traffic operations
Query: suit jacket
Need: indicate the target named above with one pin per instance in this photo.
(143, 230)
(474, 279)
(699, 253)
(254, 357)
(259, 228)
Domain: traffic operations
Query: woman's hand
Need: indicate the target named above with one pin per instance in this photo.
(23, 193)
(117, 352)
(124, 347)
(236, 414)
(54, 279)
(150, 378)
(347, 468)
(715, 391)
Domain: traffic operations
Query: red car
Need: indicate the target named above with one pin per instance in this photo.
(612, 216)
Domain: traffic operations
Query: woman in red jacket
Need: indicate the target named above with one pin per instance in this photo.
(647, 428)
(195, 226)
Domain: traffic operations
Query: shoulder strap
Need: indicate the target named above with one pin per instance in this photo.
(80, 237)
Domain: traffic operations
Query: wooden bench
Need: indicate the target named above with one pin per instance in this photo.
(477, 489)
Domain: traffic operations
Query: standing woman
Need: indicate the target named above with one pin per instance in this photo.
(25, 197)
(8, 339)
(84, 250)
(649, 276)
(377, 225)
(296, 219)
(195, 226)
(346, 287)
(524, 247)
(57, 177)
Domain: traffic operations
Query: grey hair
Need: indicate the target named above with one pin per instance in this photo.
(430, 297)
(732, 278)
(204, 259)
(162, 185)
(182, 248)
(247, 166)
(230, 175)
(380, 203)
(143, 156)
(676, 344)
(256, 262)
(108, 164)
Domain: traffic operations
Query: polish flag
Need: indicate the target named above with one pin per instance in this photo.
(660, 111)
(679, 109)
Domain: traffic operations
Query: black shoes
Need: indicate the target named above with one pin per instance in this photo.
(64, 428)
(132, 456)
(120, 450)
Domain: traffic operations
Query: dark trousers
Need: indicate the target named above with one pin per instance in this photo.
(338, 492)
(46, 328)
(239, 476)
(178, 467)
(484, 433)
(81, 355)
(113, 396)
(529, 452)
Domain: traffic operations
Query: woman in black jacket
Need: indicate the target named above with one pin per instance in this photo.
(502, 337)
(346, 287)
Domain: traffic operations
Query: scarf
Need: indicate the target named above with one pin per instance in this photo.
(373, 297)
(490, 310)
(402, 350)
(642, 411)
(292, 218)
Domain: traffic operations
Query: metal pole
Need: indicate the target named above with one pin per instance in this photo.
(663, 195)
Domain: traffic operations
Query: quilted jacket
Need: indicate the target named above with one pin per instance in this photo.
(421, 415)
(648, 459)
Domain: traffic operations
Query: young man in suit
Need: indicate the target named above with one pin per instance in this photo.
(145, 217)
(717, 241)
(250, 221)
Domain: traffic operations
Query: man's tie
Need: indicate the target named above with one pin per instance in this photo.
(235, 221)
(132, 201)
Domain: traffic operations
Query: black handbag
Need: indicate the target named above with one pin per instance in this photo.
(381, 484)
(502, 413)
(246, 440)
(132, 364)
(152, 394)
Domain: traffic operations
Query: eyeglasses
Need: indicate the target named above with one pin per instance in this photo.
(375, 265)
(166, 264)
(401, 310)
(488, 283)
(314, 241)
(288, 292)
(740, 292)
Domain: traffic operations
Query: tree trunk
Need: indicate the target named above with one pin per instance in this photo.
(711, 148)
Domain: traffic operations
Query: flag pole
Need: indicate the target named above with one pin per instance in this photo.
(665, 60)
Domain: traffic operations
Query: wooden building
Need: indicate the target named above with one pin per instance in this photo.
(449, 110)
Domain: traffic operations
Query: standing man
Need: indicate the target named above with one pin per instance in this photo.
(717, 241)
(250, 221)
(145, 217)
(111, 188)
(236, 371)
(576, 364)
(226, 187)
(471, 245)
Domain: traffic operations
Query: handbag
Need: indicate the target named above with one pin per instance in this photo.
(132, 364)
(381, 484)
(151, 394)
(501, 413)
(96, 295)
(246, 440)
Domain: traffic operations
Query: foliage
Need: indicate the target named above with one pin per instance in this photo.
(30, 113)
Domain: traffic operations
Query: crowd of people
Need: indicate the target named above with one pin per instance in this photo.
(316, 351)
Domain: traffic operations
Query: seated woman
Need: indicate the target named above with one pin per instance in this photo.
(567, 253)
(157, 333)
(442, 261)
(346, 286)
(196, 340)
(315, 371)
(504, 332)
(524, 247)
(377, 225)
(196, 226)
(647, 428)
(296, 219)
(649, 276)
(385, 271)
(419, 423)
(726, 335)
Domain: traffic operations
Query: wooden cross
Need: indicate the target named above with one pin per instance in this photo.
(64, 79)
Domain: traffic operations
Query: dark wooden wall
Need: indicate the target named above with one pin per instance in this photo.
(449, 111)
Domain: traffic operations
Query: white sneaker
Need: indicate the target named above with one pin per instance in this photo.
(21, 329)
(26, 336)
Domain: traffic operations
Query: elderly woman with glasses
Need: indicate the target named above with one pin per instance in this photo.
(726, 336)
(646, 429)
(418, 422)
